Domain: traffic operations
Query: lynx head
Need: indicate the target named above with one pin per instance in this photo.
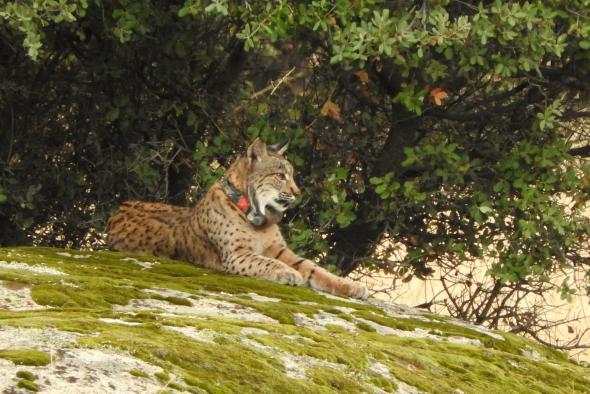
(270, 185)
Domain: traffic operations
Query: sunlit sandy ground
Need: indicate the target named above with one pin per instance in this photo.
(417, 292)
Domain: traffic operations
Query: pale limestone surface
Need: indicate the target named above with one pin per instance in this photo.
(199, 307)
(34, 268)
(16, 296)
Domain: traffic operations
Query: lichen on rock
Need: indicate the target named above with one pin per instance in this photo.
(113, 322)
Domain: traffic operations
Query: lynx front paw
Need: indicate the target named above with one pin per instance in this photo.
(356, 290)
(287, 276)
(324, 281)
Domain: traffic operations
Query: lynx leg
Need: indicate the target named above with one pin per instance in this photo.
(262, 267)
(317, 277)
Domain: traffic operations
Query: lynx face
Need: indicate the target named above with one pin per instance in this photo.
(271, 185)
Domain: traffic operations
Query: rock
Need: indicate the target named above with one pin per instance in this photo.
(103, 322)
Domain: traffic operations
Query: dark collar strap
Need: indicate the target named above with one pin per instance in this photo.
(242, 202)
(236, 197)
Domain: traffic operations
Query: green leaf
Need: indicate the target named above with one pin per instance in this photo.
(340, 173)
(344, 219)
(381, 189)
(183, 12)
(484, 209)
(112, 115)
(191, 118)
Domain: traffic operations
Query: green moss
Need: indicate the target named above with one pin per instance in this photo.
(339, 313)
(383, 383)
(511, 343)
(138, 373)
(334, 380)
(194, 385)
(328, 346)
(26, 356)
(99, 293)
(211, 365)
(335, 328)
(176, 387)
(221, 340)
(28, 375)
(365, 327)
(178, 301)
(172, 300)
(283, 312)
(168, 381)
(162, 377)
(27, 384)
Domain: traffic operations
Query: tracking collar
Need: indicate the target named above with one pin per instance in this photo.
(243, 203)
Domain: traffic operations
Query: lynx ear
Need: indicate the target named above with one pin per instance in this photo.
(280, 148)
(257, 150)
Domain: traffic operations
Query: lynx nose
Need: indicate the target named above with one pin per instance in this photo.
(295, 190)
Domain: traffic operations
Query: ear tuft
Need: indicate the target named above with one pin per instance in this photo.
(280, 148)
(257, 150)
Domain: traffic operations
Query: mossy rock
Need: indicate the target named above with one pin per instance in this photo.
(145, 324)
(25, 356)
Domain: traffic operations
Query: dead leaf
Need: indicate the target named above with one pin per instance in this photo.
(331, 110)
(363, 76)
(364, 90)
(351, 158)
(358, 179)
(320, 146)
(433, 40)
(437, 95)
(332, 20)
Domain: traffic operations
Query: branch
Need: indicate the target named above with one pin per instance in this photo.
(272, 86)
(500, 308)
(453, 301)
(575, 114)
(553, 345)
(583, 151)
(493, 295)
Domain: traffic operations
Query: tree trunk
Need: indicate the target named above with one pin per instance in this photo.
(355, 243)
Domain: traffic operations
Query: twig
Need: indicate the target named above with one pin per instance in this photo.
(282, 80)
(272, 87)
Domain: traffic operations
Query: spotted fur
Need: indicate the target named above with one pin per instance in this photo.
(216, 234)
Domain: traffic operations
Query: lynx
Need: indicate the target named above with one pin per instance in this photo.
(233, 228)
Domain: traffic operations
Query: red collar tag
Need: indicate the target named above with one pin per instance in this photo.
(243, 203)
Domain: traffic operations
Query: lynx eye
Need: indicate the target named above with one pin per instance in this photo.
(282, 176)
